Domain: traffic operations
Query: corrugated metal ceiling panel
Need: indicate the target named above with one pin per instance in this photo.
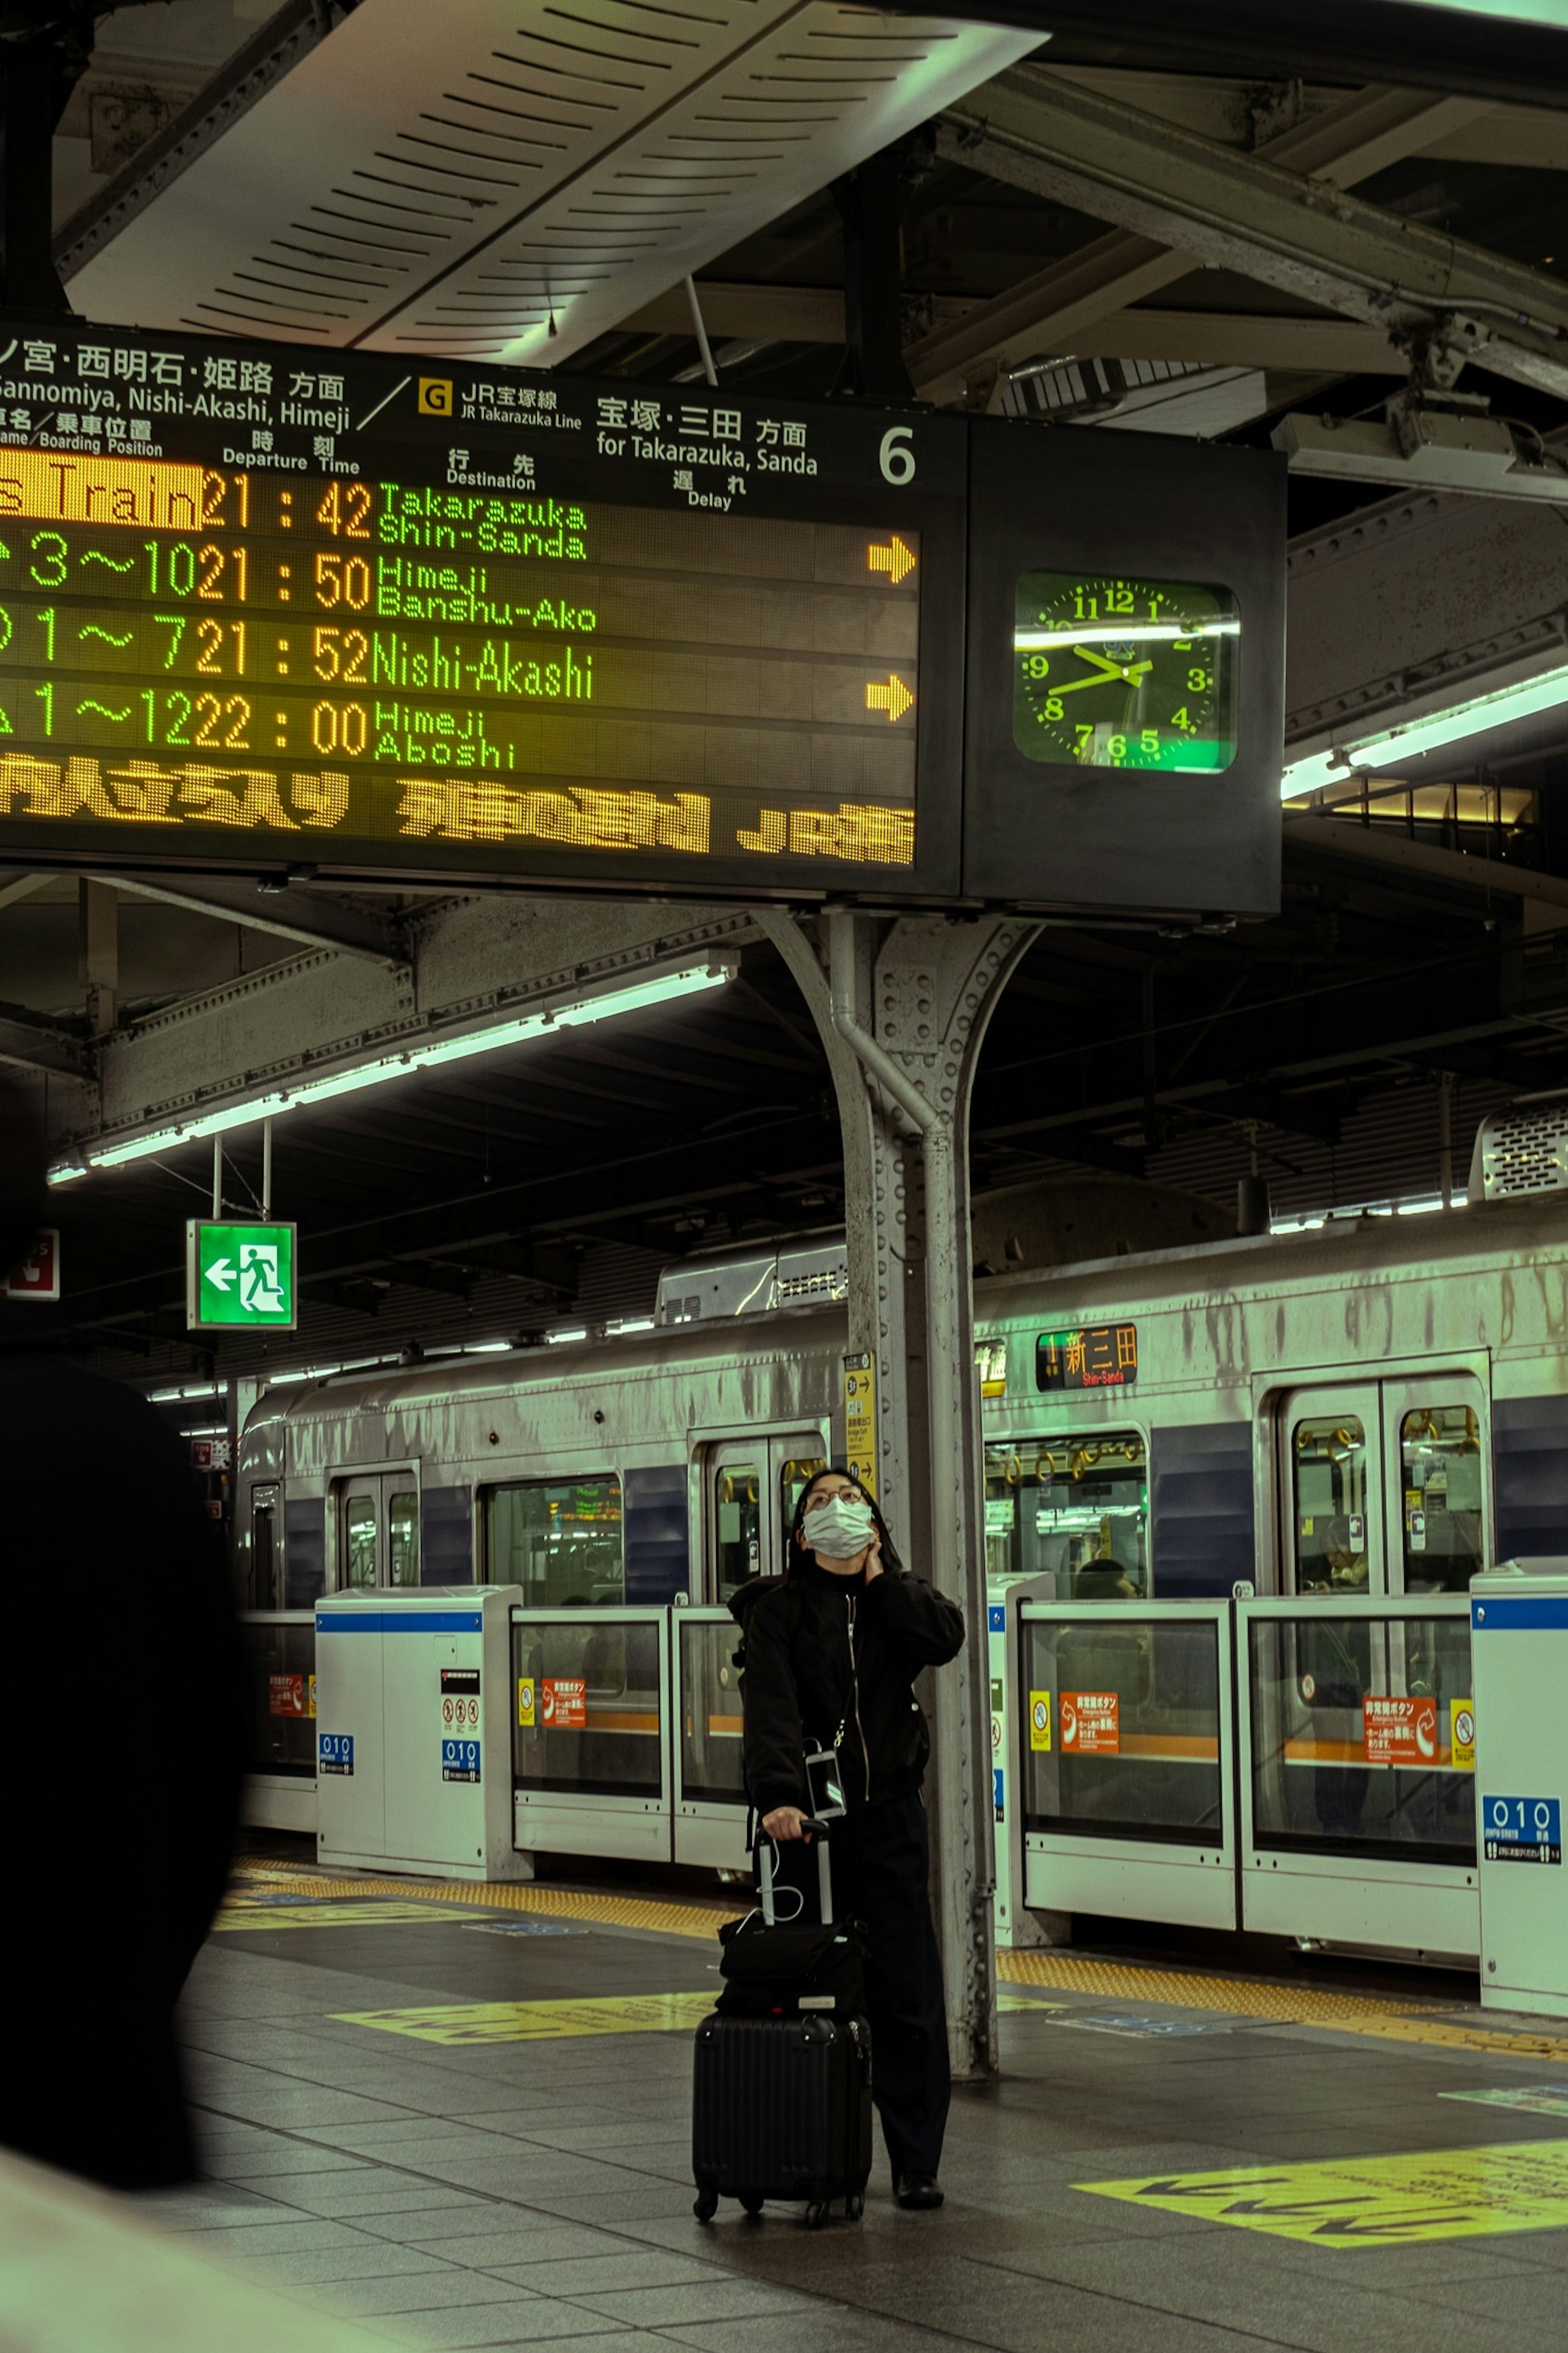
(458, 181)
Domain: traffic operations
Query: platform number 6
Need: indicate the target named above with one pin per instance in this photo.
(895, 457)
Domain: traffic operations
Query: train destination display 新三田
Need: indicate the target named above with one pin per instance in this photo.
(189, 646)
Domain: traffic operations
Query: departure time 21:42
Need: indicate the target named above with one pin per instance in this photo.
(1113, 672)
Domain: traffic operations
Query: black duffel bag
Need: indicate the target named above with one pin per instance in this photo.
(772, 1968)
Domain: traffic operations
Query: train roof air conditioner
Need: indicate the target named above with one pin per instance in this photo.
(1521, 1149)
(812, 1270)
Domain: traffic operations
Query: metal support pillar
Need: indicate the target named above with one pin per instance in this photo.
(40, 65)
(903, 1008)
(98, 936)
(871, 205)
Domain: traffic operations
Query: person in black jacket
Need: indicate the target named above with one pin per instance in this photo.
(831, 1651)
(123, 1747)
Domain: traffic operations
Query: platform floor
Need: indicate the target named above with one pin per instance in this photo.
(464, 2121)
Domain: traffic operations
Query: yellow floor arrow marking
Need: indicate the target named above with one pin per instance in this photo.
(1373, 2201)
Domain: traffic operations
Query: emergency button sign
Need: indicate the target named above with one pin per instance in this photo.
(563, 1702)
(1091, 1723)
(1399, 1731)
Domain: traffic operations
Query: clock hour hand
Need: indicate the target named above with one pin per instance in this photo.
(1108, 673)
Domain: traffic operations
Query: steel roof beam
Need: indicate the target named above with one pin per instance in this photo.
(1346, 142)
(287, 912)
(1152, 180)
(29, 1043)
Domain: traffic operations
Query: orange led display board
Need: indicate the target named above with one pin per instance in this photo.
(261, 609)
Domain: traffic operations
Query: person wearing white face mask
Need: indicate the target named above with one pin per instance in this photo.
(831, 1652)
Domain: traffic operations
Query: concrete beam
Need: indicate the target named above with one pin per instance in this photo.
(1047, 312)
(1243, 339)
(26, 1044)
(815, 315)
(22, 886)
(1345, 141)
(1339, 837)
(1150, 179)
(1420, 598)
(774, 314)
(472, 957)
(289, 913)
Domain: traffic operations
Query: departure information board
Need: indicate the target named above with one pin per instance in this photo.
(260, 609)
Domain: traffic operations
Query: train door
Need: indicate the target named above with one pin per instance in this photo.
(1385, 1485)
(1333, 1508)
(1437, 1482)
(377, 1519)
(753, 1484)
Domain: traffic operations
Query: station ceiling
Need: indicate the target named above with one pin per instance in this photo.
(1415, 975)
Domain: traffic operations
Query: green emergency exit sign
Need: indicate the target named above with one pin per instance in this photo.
(238, 1275)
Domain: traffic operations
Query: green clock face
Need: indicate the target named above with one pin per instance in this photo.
(1113, 672)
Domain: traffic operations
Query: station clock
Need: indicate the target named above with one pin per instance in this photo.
(1121, 672)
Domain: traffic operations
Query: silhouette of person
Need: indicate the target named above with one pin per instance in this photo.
(122, 1742)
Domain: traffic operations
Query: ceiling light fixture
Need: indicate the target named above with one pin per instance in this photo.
(1430, 732)
(299, 1094)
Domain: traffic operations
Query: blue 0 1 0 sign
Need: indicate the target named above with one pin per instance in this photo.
(1522, 1830)
(459, 1760)
(334, 1752)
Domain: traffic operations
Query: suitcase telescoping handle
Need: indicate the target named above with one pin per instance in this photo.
(763, 1846)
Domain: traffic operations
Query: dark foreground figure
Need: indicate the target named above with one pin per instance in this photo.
(120, 1745)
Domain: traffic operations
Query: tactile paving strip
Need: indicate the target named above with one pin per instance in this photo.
(1287, 2005)
(697, 1920)
(1395, 2018)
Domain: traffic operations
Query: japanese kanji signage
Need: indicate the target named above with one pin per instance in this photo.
(476, 623)
(1094, 1356)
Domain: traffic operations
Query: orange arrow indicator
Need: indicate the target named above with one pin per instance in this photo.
(894, 698)
(895, 560)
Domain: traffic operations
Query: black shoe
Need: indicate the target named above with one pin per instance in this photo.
(920, 2192)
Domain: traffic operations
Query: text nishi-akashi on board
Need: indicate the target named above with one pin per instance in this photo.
(190, 647)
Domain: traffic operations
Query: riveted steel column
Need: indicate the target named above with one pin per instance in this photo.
(903, 1008)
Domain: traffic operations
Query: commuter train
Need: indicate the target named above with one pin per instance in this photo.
(1378, 1405)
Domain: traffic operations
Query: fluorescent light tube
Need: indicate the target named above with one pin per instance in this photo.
(633, 997)
(1428, 733)
(1105, 633)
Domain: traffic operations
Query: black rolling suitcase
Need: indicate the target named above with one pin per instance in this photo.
(782, 2099)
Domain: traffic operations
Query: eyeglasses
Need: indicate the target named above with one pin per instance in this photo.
(821, 1496)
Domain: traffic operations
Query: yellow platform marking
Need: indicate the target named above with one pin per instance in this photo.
(1373, 2201)
(383, 1913)
(539, 2022)
(697, 1920)
(1397, 2020)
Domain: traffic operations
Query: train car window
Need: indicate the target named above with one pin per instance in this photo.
(264, 1556)
(359, 1541)
(1075, 1508)
(737, 1523)
(1440, 1476)
(560, 1539)
(403, 1536)
(1329, 1466)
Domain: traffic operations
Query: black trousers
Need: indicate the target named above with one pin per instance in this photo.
(881, 1862)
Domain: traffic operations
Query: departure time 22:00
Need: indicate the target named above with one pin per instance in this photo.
(1113, 672)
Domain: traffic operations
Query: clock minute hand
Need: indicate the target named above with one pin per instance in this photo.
(1107, 674)
(1111, 670)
